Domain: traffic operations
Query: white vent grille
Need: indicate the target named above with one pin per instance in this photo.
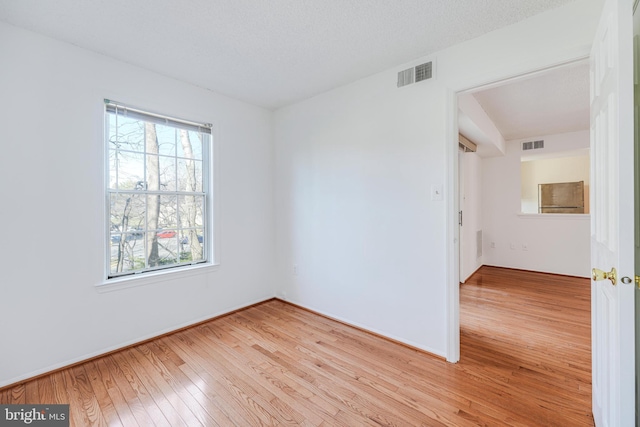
(532, 145)
(424, 71)
(405, 77)
(415, 74)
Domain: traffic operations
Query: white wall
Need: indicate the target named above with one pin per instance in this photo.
(51, 185)
(354, 207)
(354, 171)
(547, 242)
(475, 124)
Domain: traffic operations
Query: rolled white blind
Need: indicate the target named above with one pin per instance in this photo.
(125, 111)
(467, 143)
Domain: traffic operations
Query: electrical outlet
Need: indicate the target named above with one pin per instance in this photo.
(493, 245)
(525, 247)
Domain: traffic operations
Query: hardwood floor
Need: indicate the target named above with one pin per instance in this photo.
(529, 336)
(525, 345)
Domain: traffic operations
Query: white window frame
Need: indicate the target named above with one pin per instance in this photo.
(161, 273)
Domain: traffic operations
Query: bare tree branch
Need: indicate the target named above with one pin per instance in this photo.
(153, 200)
(192, 212)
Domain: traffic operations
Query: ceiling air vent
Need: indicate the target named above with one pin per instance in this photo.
(405, 77)
(424, 71)
(415, 74)
(532, 145)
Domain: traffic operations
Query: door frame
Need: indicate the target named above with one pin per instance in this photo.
(452, 190)
(636, 59)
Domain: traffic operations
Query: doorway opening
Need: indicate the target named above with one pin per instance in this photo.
(500, 194)
(504, 119)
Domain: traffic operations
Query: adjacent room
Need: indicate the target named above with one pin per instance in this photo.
(528, 135)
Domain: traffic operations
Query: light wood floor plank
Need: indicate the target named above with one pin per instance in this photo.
(525, 361)
(171, 407)
(115, 394)
(242, 371)
(102, 396)
(87, 397)
(139, 390)
(172, 389)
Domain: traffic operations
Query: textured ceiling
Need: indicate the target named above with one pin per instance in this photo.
(269, 53)
(554, 102)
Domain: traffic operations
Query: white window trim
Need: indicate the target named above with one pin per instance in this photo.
(153, 277)
(108, 284)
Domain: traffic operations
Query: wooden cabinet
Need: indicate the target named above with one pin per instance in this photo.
(562, 197)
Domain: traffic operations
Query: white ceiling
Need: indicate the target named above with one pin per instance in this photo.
(269, 53)
(556, 101)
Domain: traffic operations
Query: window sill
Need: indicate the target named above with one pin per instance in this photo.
(143, 279)
(580, 217)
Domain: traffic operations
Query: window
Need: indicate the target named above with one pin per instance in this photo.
(158, 192)
(558, 167)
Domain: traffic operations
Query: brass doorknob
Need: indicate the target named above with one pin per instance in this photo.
(597, 274)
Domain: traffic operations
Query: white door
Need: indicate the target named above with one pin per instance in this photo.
(612, 217)
(636, 104)
(461, 212)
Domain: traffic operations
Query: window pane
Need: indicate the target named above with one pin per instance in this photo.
(199, 176)
(127, 212)
(198, 140)
(166, 139)
(116, 266)
(190, 175)
(167, 214)
(130, 168)
(167, 173)
(152, 179)
(127, 252)
(190, 209)
(168, 250)
(190, 144)
(126, 133)
(197, 248)
(192, 245)
(113, 181)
